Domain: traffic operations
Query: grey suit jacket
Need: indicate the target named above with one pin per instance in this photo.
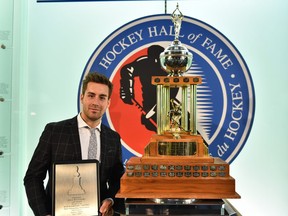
(60, 142)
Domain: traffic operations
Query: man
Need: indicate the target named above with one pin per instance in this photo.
(68, 140)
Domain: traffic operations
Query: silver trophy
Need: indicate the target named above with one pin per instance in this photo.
(176, 59)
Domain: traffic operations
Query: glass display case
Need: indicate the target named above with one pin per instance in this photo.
(6, 58)
(179, 207)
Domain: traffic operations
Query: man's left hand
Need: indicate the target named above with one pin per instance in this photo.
(106, 207)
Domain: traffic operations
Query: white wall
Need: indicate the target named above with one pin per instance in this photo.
(59, 38)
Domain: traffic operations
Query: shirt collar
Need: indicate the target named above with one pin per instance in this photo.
(83, 124)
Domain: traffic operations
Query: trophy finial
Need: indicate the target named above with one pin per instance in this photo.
(177, 20)
(176, 59)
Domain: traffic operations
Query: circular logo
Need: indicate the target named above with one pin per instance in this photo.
(130, 57)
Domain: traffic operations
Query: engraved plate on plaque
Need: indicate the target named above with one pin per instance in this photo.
(187, 167)
(146, 167)
(188, 174)
(146, 174)
(130, 174)
(205, 174)
(130, 167)
(76, 188)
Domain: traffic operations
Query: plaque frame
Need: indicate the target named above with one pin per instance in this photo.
(76, 188)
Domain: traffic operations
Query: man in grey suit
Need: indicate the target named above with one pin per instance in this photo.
(68, 140)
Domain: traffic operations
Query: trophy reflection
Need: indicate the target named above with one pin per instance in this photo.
(176, 163)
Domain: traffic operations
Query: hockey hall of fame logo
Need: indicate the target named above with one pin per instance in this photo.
(130, 57)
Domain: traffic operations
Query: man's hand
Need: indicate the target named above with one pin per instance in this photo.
(106, 207)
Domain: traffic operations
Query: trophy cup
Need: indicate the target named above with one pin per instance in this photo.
(176, 163)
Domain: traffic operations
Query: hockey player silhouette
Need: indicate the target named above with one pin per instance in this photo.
(144, 67)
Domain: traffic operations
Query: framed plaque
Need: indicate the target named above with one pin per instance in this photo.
(76, 188)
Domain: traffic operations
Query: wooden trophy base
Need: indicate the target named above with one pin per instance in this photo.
(194, 176)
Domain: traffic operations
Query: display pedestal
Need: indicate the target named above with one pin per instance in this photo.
(179, 207)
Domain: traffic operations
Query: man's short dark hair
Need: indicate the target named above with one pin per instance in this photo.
(97, 78)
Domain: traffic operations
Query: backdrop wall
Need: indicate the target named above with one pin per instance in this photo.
(53, 42)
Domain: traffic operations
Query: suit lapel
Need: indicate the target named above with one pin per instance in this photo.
(75, 138)
(103, 142)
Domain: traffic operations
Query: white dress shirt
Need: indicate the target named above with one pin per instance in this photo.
(84, 133)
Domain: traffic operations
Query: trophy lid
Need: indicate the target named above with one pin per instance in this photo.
(176, 59)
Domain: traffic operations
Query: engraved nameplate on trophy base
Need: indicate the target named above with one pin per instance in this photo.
(76, 188)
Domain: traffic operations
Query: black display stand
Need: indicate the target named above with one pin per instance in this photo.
(179, 207)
